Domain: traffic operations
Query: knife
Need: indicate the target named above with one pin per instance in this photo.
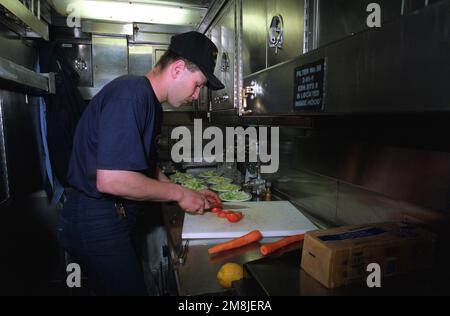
(234, 206)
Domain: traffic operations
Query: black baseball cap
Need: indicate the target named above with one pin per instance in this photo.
(200, 50)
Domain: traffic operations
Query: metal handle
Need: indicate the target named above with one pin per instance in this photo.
(183, 253)
(276, 31)
(225, 63)
(248, 91)
(245, 112)
(220, 99)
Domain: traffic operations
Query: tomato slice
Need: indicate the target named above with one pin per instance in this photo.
(222, 214)
(216, 210)
(234, 217)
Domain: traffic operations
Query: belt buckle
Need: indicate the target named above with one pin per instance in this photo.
(120, 211)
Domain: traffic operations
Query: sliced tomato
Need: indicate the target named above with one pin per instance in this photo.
(234, 217)
(216, 210)
(222, 214)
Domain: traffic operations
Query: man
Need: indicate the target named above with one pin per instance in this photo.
(113, 164)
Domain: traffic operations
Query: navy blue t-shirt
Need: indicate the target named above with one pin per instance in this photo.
(117, 131)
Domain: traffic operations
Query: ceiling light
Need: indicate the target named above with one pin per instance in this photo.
(119, 11)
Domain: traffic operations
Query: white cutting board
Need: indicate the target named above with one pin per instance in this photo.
(273, 219)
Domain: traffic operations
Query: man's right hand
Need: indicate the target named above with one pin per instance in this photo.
(192, 201)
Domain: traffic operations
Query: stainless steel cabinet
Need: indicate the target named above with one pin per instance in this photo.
(241, 33)
(223, 34)
(254, 20)
(282, 18)
(399, 68)
(291, 13)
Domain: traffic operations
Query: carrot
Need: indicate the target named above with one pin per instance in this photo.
(272, 247)
(237, 242)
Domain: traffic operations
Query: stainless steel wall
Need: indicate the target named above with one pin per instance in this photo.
(343, 18)
(110, 58)
(101, 52)
(140, 59)
(346, 179)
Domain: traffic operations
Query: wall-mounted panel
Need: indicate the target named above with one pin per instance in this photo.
(140, 59)
(110, 59)
(80, 56)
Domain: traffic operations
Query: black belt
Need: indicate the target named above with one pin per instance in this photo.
(105, 197)
(119, 203)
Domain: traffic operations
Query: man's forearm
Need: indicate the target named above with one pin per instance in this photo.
(136, 186)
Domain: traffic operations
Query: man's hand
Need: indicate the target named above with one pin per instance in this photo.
(161, 176)
(192, 201)
(212, 198)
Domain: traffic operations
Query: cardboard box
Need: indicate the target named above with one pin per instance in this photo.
(340, 256)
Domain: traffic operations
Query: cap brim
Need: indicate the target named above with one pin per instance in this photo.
(214, 83)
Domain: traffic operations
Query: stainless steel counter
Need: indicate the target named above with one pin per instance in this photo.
(277, 274)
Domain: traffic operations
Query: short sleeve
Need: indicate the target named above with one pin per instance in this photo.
(120, 143)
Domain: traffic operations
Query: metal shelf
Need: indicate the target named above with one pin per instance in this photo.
(25, 78)
(27, 17)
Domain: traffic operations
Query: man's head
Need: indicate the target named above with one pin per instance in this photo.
(185, 79)
(189, 65)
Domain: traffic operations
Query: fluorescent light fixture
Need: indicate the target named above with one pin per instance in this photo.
(130, 11)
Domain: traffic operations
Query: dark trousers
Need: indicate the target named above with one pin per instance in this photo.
(101, 243)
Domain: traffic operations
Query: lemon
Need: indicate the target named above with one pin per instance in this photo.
(228, 273)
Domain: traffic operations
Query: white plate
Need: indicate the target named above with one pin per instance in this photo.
(225, 180)
(206, 177)
(204, 187)
(249, 197)
(237, 188)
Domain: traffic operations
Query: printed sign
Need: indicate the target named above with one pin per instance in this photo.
(310, 86)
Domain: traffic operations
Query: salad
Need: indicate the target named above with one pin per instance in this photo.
(209, 174)
(219, 180)
(180, 177)
(225, 187)
(235, 196)
(194, 184)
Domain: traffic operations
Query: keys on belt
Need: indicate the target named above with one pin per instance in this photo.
(120, 211)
